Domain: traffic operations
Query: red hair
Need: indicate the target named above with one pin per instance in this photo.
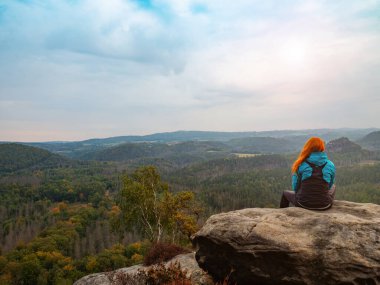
(314, 144)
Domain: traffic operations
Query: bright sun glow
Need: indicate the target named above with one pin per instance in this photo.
(295, 53)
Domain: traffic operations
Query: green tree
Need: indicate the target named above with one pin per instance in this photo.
(29, 272)
(146, 204)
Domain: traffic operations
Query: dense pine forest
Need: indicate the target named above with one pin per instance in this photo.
(66, 210)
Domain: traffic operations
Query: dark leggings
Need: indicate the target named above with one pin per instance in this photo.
(290, 197)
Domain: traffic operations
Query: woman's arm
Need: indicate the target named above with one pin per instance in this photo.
(332, 175)
(295, 182)
(332, 182)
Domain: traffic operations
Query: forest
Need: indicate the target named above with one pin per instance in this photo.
(63, 217)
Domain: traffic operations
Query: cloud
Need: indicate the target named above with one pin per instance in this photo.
(161, 65)
(114, 28)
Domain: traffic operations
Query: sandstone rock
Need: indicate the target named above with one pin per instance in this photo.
(293, 245)
(187, 262)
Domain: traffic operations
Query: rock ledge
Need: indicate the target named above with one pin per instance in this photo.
(293, 245)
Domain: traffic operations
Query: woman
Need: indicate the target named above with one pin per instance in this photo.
(313, 178)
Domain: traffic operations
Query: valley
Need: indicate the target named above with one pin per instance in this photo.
(59, 200)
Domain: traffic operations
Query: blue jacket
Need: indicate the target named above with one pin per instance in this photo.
(304, 170)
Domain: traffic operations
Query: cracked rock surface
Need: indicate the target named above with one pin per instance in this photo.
(293, 245)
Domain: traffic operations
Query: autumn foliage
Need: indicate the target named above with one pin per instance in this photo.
(161, 252)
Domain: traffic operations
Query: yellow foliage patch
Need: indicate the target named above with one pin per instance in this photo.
(136, 246)
(91, 264)
(137, 258)
(68, 267)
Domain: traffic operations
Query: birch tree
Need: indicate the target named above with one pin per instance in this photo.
(147, 205)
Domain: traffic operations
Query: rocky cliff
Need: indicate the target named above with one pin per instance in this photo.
(131, 276)
(293, 245)
(342, 145)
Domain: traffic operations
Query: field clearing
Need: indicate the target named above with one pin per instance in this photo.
(242, 155)
(369, 162)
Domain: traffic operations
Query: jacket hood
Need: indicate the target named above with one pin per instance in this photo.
(317, 158)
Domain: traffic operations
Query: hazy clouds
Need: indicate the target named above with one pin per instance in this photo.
(73, 69)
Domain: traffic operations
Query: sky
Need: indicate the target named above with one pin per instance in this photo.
(78, 69)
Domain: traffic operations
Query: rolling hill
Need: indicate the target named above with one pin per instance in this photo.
(371, 141)
(262, 145)
(344, 152)
(149, 153)
(342, 145)
(14, 157)
(76, 149)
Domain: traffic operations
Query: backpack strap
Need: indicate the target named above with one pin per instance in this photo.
(312, 165)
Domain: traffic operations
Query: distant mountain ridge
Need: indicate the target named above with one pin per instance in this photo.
(327, 134)
(294, 140)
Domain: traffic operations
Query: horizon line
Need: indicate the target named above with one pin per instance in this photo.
(188, 131)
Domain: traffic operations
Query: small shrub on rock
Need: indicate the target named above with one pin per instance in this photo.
(170, 275)
(158, 274)
(161, 252)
